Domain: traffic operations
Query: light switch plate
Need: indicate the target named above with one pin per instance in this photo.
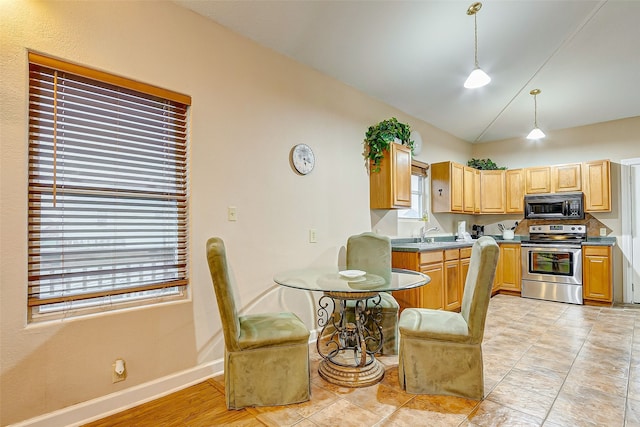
(232, 213)
(313, 238)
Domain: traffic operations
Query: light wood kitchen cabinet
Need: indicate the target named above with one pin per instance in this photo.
(465, 261)
(452, 188)
(596, 185)
(452, 280)
(430, 263)
(476, 191)
(538, 180)
(566, 177)
(597, 274)
(390, 188)
(511, 267)
(497, 279)
(492, 194)
(514, 183)
(448, 271)
(468, 188)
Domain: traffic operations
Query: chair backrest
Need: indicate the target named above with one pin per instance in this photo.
(370, 252)
(217, 258)
(477, 288)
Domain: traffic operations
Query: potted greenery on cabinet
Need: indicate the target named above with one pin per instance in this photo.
(388, 147)
(379, 137)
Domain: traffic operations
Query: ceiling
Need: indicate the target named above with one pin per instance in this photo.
(415, 56)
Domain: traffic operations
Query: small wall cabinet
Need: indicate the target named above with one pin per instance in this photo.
(596, 185)
(452, 188)
(390, 188)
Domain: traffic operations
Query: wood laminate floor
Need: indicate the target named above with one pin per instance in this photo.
(546, 364)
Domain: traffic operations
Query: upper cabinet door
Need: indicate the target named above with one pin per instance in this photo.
(596, 185)
(402, 177)
(492, 194)
(514, 182)
(390, 188)
(457, 187)
(468, 189)
(538, 180)
(566, 177)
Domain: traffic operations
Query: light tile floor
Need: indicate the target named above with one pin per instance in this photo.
(546, 364)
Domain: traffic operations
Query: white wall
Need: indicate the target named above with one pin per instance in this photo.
(250, 106)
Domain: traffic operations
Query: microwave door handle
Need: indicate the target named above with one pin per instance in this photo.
(565, 208)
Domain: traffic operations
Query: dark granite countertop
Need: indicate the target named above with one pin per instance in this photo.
(410, 244)
(440, 243)
(600, 241)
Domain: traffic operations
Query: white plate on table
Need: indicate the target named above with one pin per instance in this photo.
(352, 274)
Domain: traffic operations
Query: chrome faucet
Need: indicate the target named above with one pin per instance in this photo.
(424, 231)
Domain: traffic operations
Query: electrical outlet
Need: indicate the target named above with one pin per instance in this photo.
(118, 371)
(232, 213)
(312, 236)
(603, 232)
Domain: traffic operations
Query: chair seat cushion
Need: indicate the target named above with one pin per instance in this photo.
(272, 329)
(433, 324)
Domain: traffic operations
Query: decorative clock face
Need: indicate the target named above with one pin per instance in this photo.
(303, 158)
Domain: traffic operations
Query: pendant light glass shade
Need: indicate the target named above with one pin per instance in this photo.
(536, 133)
(477, 78)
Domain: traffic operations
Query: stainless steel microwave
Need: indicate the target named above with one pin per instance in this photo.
(554, 206)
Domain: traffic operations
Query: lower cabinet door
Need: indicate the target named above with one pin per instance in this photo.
(431, 295)
(452, 294)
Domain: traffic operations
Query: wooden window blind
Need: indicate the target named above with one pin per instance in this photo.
(107, 188)
(419, 168)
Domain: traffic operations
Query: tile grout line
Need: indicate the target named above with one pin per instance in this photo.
(569, 371)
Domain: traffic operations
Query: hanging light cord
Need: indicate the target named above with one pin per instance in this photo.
(535, 111)
(475, 49)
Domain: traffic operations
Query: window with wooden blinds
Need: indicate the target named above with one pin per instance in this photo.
(107, 189)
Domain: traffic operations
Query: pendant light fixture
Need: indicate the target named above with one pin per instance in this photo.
(477, 78)
(536, 133)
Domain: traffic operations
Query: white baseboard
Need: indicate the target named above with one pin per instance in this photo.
(104, 406)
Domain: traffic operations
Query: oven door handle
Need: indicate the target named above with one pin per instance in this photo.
(550, 246)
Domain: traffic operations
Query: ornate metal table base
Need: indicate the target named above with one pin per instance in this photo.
(348, 346)
(355, 376)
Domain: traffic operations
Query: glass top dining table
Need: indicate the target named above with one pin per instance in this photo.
(349, 315)
(349, 281)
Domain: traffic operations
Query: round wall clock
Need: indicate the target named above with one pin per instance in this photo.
(417, 142)
(302, 158)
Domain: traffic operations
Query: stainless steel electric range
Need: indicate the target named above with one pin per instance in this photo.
(552, 262)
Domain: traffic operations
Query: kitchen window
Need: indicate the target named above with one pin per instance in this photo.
(107, 217)
(419, 197)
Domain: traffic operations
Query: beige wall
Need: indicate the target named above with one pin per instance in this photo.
(250, 106)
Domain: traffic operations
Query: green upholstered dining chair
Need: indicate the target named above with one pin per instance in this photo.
(441, 351)
(371, 252)
(266, 358)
